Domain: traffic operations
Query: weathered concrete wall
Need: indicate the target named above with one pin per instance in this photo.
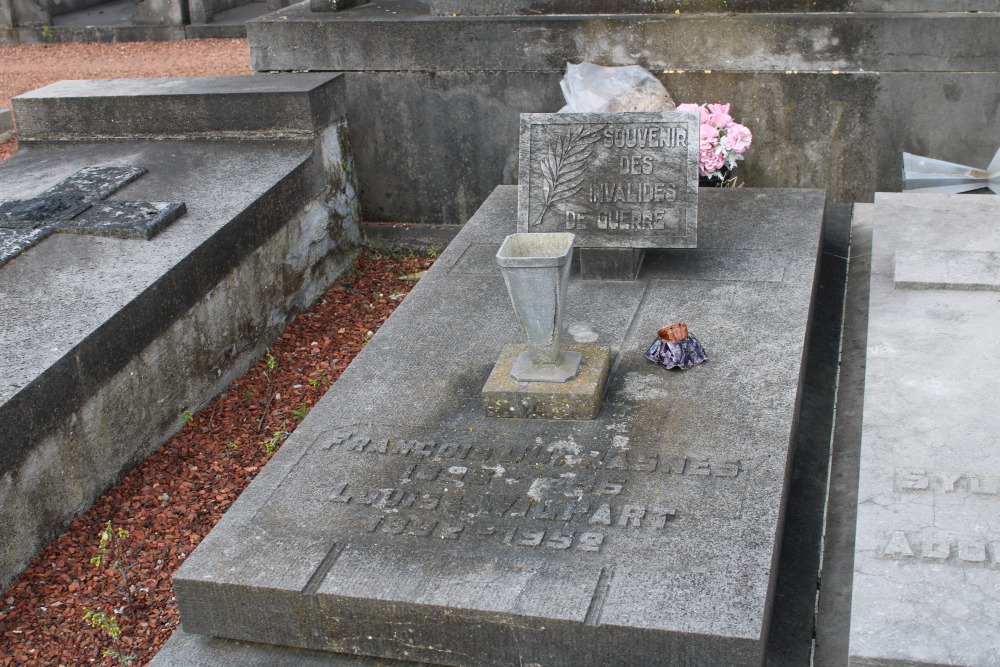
(6, 125)
(832, 98)
(529, 7)
(14, 13)
(7, 14)
(59, 7)
(25, 13)
(31, 13)
(147, 329)
(204, 11)
(439, 140)
(161, 12)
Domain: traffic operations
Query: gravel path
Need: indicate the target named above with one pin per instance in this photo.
(24, 68)
(68, 610)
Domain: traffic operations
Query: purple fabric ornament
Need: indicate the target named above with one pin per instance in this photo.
(676, 348)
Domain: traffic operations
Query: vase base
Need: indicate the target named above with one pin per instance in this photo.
(578, 398)
(564, 370)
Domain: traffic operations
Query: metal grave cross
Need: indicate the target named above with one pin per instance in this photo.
(77, 205)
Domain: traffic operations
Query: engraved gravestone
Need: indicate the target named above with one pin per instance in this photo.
(402, 521)
(926, 587)
(616, 180)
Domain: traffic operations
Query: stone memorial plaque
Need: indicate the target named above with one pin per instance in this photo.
(401, 521)
(616, 180)
(77, 205)
(927, 555)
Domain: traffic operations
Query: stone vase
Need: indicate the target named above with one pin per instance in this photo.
(536, 270)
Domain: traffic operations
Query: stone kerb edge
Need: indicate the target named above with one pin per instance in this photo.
(616, 180)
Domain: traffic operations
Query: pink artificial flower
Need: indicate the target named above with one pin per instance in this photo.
(702, 111)
(709, 138)
(737, 138)
(719, 115)
(710, 161)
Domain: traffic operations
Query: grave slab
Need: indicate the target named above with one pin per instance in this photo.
(399, 521)
(205, 106)
(926, 588)
(111, 339)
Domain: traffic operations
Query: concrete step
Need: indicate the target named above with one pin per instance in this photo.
(179, 107)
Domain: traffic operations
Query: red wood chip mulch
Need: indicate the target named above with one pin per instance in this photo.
(8, 148)
(170, 502)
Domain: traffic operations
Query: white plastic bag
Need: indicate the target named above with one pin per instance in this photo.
(590, 88)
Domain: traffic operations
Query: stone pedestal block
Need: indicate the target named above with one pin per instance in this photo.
(580, 398)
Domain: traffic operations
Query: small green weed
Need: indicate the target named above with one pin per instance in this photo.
(101, 621)
(271, 444)
(113, 552)
(187, 417)
(301, 413)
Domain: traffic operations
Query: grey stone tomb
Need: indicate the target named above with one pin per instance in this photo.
(77, 205)
(926, 585)
(620, 182)
(402, 521)
(111, 338)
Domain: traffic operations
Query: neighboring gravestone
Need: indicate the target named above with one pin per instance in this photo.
(77, 205)
(927, 555)
(109, 339)
(621, 182)
(399, 520)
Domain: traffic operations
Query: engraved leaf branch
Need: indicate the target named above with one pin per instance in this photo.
(563, 168)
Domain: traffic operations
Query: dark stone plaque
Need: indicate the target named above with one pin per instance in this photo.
(77, 205)
(616, 180)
